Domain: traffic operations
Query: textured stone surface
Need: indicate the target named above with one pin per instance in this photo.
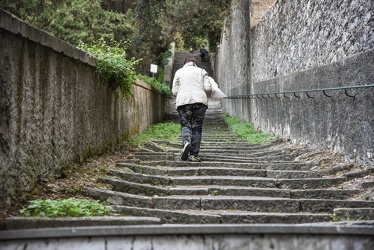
(55, 111)
(256, 204)
(354, 214)
(323, 194)
(144, 188)
(273, 218)
(327, 206)
(302, 45)
(299, 35)
(16, 223)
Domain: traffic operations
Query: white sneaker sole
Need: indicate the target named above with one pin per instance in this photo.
(185, 152)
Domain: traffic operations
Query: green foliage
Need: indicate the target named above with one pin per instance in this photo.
(246, 131)
(162, 87)
(162, 131)
(148, 25)
(165, 57)
(113, 65)
(196, 19)
(65, 208)
(333, 217)
(74, 20)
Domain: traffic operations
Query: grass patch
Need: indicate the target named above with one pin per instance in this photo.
(65, 208)
(162, 131)
(246, 131)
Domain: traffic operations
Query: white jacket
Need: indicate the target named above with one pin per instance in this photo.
(191, 85)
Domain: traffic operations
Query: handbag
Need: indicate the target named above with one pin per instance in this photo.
(216, 92)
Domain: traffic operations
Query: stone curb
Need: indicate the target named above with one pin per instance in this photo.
(352, 228)
(16, 223)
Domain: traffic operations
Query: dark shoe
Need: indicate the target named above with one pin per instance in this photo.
(185, 151)
(194, 158)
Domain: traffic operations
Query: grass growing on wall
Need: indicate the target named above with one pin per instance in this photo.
(246, 131)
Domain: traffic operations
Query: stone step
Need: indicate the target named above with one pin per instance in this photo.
(303, 183)
(148, 156)
(220, 171)
(149, 190)
(235, 183)
(275, 165)
(219, 152)
(353, 214)
(234, 158)
(204, 202)
(224, 216)
(18, 222)
(213, 145)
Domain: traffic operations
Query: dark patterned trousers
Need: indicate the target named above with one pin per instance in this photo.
(191, 117)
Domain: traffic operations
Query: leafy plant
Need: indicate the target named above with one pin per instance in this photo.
(214, 193)
(65, 208)
(162, 87)
(334, 217)
(74, 20)
(113, 65)
(163, 131)
(246, 131)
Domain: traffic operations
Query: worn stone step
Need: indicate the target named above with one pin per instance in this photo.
(176, 157)
(221, 145)
(314, 205)
(173, 217)
(197, 171)
(241, 152)
(328, 194)
(258, 204)
(220, 171)
(18, 223)
(156, 148)
(158, 157)
(204, 202)
(149, 190)
(275, 165)
(135, 188)
(305, 183)
(217, 140)
(223, 216)
(353, 214)
(235, 158)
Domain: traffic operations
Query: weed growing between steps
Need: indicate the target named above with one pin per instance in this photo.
(246, 131)
(66, 208)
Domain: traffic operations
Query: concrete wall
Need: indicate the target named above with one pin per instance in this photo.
(54, 110)
(301, 45)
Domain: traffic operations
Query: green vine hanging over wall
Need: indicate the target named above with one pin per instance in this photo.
(113, 67)
(112, 64)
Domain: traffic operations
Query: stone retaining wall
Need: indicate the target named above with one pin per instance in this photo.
(54, 109)
(302, 45)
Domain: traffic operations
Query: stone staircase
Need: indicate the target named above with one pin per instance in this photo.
(235, 183)
(214, 104)
(179, 57)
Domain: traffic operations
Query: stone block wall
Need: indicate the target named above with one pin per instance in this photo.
(232, 61)
(300, 45)
(55, 110)
(299, 35)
